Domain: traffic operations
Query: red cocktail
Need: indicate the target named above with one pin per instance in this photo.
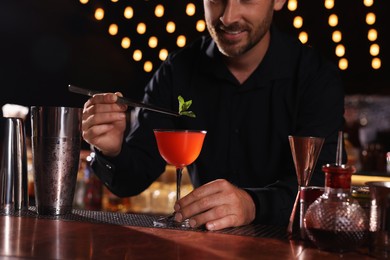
(179, 148)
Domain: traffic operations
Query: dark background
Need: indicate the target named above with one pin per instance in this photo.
(46, 45)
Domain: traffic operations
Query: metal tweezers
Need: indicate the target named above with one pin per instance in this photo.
(123, 100)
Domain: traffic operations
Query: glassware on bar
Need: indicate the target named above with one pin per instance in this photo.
(179, 148)
(305, 151)
(336, 221)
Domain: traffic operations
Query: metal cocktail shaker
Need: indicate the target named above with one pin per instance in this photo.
(13, 173)
(56, 143)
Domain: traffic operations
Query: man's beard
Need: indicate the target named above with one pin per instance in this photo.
(233, 48)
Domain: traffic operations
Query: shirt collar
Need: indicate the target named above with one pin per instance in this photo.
(276, 64)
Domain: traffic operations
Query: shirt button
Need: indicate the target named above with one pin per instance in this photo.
(108, 166)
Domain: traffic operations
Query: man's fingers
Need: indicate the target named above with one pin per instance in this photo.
(225, 222)
(215, 218)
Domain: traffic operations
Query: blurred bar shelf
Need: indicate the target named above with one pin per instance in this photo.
(359, 179)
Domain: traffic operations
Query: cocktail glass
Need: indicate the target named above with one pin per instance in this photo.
(179, 148)
(305, 151)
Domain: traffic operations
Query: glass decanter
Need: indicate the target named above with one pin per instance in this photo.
(336, 221)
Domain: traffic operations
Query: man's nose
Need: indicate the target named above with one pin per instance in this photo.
(231, 13)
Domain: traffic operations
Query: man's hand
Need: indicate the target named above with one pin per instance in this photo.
(104, 123)
(217, 205)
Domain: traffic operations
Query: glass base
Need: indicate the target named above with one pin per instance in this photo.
(169, 221)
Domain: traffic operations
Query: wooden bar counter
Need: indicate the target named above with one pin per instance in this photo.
(61, 238)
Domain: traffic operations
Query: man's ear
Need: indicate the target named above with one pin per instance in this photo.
(278, 5)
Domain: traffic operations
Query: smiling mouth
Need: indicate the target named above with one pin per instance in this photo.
(231, 32)
(232, 29)
(230, 36)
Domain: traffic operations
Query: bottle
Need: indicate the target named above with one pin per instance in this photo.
(353, 153)
(374, 158)
(13, 170)
(336, 221)
(113, 203)
(93, 187)
(79, 194)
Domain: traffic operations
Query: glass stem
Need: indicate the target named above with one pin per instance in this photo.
(179, 172)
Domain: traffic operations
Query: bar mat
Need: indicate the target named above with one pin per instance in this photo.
(143, 220)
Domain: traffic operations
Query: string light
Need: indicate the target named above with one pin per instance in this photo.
(303, 37)
(374, 49)
(292, 5)
(298, 22)
(343, 64)
(139, 28)
(140, 25)
(113, 29)
(372, 36)
(171, 27)
(99, 14)
(163, 54)
(137, 55)
(370, 18)
(153, 42)
(129, 12)
(376, 63)
(159, 11)
(125, 42)
(181, 41)
(329, 4)
(201, 26)
(190, 9)
(340, 50)
(148, 66)
(333, 20)
(337, 36)
(368, 3)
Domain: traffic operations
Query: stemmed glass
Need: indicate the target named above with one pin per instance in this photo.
(305, 151)
(179, 148)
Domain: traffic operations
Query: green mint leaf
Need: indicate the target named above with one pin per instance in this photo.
(188, 113)
(187, 105)
(184, 106)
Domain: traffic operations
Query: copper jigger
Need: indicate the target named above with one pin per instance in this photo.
(305, 152)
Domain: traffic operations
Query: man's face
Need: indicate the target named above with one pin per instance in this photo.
(238, 25)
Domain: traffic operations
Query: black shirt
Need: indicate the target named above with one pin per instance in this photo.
(294, 91)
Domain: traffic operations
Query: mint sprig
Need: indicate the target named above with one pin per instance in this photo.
(184, 106)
